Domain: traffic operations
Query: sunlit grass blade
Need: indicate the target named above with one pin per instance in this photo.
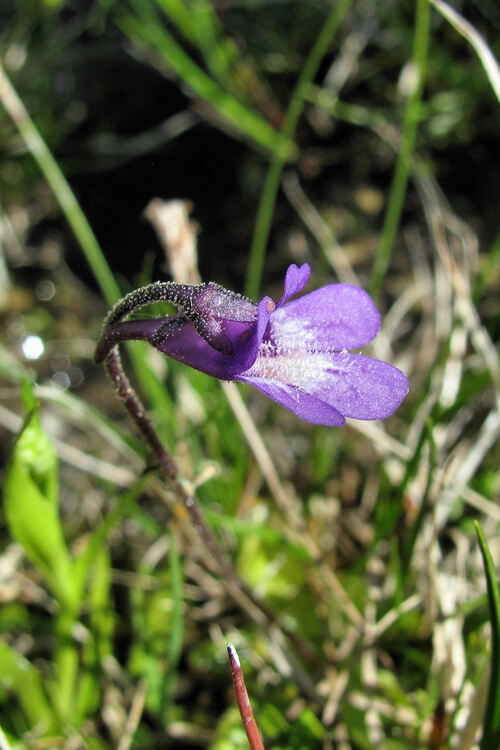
(22, 679)
(490, 739)
(80, 226)
(60, 186)
(476, 40)
(273, 177)
(176, 635)
(32, 511)
(408, 137)
(146, 29)
(4, 742)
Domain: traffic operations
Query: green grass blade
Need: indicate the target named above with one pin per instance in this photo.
(403, 163)
(177, 626)
(490, 739)
(32, 513)
(99, 536)
(60, 186)
(80, 226)
(19, 677)
(181, 16)
(146, 29)
(98, 648)
(219, 53)
(200, 25)
(488, 269)
(273, 177)
(414, 533)
(85, 416)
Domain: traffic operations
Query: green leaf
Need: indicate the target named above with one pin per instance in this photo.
(176, 637)
(35, 450)
(11, 368)
(491, 722)
(102, 626)
(31, 508)
(19, 677)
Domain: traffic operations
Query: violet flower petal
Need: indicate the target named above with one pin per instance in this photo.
(336, 317)
(354, 385)
(186, 345)
(295, 280)
(361, 387)
(295, 352)
(213, 311)
(305, 405)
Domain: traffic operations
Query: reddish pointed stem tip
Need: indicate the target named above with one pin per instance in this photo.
(249, 723)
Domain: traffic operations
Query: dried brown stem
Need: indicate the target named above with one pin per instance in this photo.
(247, 717)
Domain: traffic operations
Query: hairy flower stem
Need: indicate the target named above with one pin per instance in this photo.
(134, 407)
(167, 291)
(107, 353)
(184, 297)
(238, 590)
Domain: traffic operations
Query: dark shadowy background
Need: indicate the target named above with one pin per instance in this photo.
(99, 102)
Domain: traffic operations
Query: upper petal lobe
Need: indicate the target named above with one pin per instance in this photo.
(336, 317)
(295, 280)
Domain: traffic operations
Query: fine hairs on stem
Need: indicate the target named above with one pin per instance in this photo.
(107, 353)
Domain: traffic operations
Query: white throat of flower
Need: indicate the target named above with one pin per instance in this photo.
(298, 367)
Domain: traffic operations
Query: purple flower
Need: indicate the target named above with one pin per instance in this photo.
(295, 352)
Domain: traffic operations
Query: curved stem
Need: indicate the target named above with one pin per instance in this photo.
(133, 405)
(235, 587)
(107, 352)
(179, 295)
